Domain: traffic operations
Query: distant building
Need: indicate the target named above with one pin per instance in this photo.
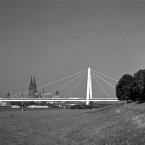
(32, 89)
(46, 95)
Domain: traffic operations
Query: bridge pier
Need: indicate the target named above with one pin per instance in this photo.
(89, 87)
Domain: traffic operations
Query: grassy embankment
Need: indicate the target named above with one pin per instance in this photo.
(106, 125)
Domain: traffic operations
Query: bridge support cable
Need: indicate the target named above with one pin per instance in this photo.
(105, 75)
(104, 91)
(62, 86)
(46, 85)
(103, 80)
(75, 86)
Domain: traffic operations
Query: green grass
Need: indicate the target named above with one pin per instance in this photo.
(106, 125)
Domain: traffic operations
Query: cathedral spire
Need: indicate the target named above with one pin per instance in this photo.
(31, 81)
(34, 85)
(31, 84)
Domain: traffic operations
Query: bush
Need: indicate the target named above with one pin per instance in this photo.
(83, 106)
(24, 103)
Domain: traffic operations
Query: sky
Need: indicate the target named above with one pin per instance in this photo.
(51, 39)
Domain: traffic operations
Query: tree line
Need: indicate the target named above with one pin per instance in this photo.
(131, 87)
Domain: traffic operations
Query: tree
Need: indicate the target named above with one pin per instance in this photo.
(139, 79)
(124, 87)
(134, 91)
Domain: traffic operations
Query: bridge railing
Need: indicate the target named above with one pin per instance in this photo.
(57, 99)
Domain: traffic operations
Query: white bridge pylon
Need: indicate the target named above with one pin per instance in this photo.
(89, 97)
(89, 87)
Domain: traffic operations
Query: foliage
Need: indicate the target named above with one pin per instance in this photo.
(139, 78)
(132, 87)
(124, 87)
(24, 103)
(83, 106)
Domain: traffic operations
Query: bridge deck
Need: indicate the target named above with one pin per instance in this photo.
(58, 99)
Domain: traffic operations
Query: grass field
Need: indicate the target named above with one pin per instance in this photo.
(106, 125)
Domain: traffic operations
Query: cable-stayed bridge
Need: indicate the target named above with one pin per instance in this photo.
(89, 79)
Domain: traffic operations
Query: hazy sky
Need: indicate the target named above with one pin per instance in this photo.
(51, 39)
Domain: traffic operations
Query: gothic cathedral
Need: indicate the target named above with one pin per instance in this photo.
(32, 88)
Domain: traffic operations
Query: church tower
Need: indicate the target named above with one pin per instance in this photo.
(31, 84)
(32, 88)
